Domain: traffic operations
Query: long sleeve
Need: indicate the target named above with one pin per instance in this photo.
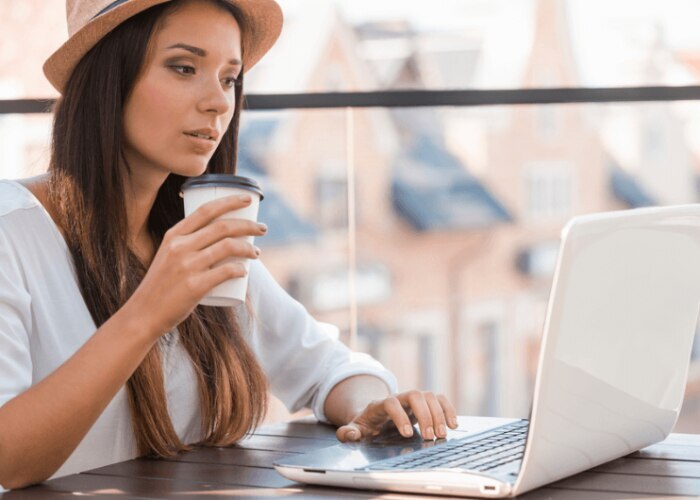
(302, 357)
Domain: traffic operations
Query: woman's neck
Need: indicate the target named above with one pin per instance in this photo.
(140, 196)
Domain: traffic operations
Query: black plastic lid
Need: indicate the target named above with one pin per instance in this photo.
(223, 180)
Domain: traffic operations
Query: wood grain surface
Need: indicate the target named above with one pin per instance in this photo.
(669, 468)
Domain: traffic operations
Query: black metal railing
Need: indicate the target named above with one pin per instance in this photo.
(423, 98)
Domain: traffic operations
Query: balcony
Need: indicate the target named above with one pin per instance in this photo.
(417, 175)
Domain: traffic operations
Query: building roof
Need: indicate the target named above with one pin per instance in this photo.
(255, 135)
(433, 191)
(438, 59)
(626, 189)
(285, 226)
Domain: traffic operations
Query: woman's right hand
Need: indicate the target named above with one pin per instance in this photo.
(182, 270)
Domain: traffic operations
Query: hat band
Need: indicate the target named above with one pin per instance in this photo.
(109, 7)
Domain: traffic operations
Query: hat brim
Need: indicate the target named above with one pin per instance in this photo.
(262, 21)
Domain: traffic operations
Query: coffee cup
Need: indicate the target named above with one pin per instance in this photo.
(199, 190)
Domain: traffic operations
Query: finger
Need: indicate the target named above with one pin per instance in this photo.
(437, 413)
(225, 249)
(207, 280)
(416, 401)
(380, 415)
(449, 409)
(210, 211)
(349, 432)
(225, 228)
(397, 413)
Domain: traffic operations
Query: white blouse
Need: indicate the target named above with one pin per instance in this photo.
(44, 320)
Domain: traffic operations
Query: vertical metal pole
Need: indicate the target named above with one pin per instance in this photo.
(458, 266)
(352, 225)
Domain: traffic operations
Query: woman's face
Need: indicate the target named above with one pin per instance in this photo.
(184, 100)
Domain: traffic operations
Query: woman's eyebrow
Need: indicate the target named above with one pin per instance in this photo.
(200, 52)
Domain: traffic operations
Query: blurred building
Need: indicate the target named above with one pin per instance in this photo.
(448, 218)
(477, 198)
(24, 139)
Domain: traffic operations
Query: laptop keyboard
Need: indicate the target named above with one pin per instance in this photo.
(483, 453)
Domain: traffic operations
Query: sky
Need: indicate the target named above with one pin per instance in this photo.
(610, 37)
(679, 17)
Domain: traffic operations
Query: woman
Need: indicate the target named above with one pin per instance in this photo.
(104, 353)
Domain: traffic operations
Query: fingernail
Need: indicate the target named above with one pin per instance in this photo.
(263, 227)
(257, 251)
(245, 198)
(352, 435)
(407, 430)
(429, 433)
(454, 422)
(442, 432)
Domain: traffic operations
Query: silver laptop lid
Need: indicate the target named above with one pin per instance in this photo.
(617, 340)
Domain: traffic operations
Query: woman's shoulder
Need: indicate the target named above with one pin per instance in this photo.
(15, 195)
(21, 210)
(28, 236)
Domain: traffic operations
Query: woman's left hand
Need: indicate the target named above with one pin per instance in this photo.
(434, 413)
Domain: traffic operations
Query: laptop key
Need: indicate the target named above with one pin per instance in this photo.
(488, 451)
(483, 460)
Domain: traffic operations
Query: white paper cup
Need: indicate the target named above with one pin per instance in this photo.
(200, 190)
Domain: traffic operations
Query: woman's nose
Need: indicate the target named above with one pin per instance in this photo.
(215, 98)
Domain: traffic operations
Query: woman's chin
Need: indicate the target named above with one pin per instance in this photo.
(190, 170)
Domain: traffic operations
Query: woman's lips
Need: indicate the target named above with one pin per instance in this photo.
(201, 144)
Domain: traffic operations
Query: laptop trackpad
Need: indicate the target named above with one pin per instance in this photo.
(390, 444)
(351, 456)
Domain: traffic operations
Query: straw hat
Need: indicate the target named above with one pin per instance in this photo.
(90, 20)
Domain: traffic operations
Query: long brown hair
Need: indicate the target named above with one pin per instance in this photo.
(87, 179)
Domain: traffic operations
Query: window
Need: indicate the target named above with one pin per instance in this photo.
(329, 289)
(547, 122)
(332, 199)
(488, 334)
(548, 190)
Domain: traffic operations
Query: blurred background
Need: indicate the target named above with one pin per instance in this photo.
(429, 235)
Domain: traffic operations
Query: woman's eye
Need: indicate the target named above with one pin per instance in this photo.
(183, 70)
(231, 82)
(228, 82)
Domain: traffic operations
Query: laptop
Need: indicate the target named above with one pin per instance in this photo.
(613, 364)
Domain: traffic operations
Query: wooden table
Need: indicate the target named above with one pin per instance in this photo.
(245, 470)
